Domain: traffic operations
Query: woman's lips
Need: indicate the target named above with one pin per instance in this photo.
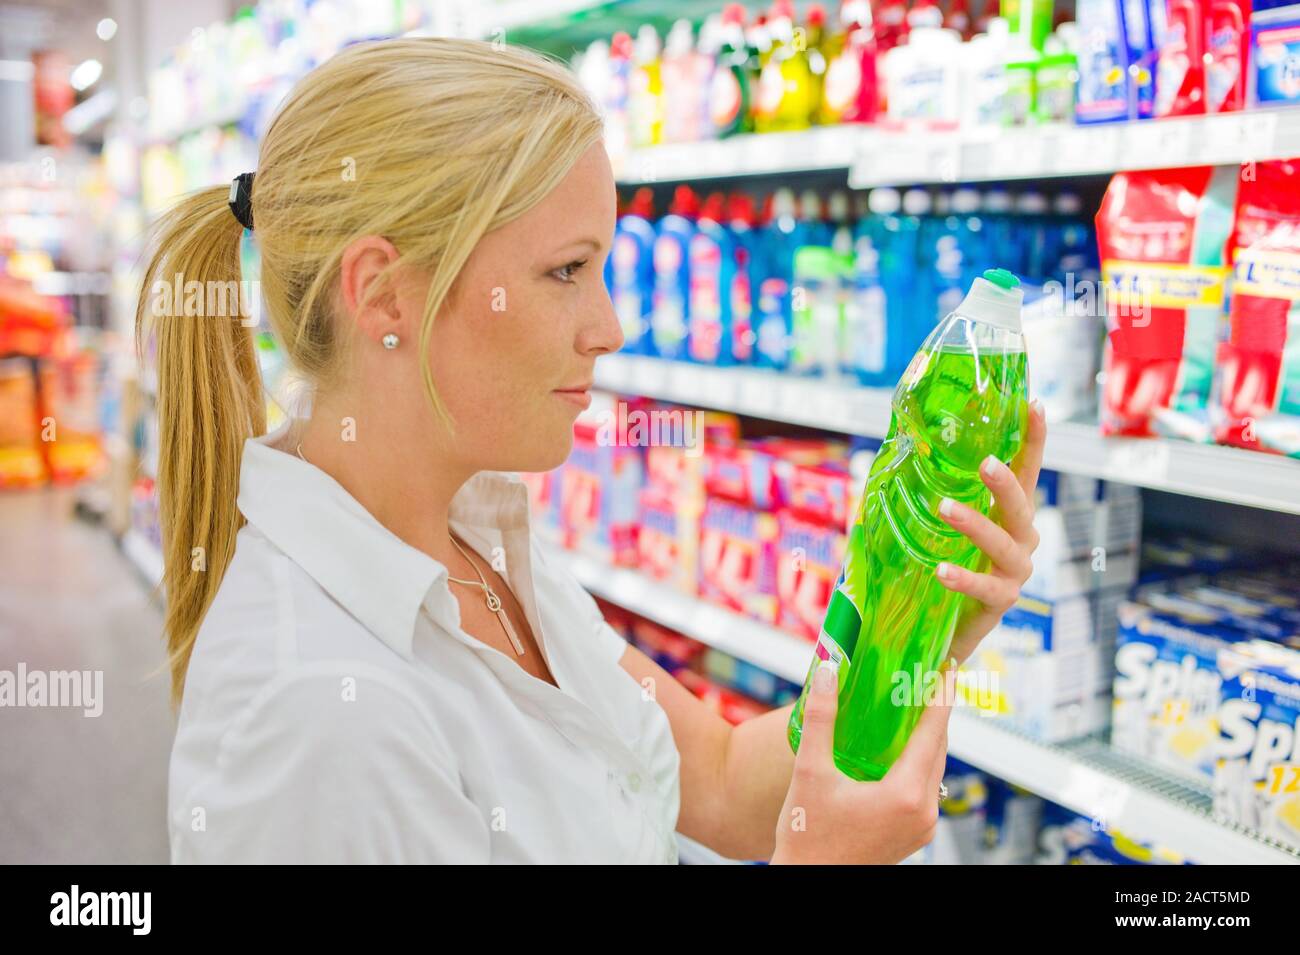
(578, 396)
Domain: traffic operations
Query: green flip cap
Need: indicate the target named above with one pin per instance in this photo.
(1001, 278)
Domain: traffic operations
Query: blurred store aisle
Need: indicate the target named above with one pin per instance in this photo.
(74, 788)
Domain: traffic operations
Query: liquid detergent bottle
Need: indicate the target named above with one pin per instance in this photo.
(670, 316)
(1057, 74)
(818, 310)
(817, 50)
(891, 621)
(850, 92)
(729, 91)
(647, 89)
(741, 220)
(1104, 92)
(862, 348)
(786, 97)
(677, 72)
(1144, 49)
(618, 119)
(782, 235)
(631, 278)
(712, 270)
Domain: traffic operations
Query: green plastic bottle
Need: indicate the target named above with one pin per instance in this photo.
(890, 622)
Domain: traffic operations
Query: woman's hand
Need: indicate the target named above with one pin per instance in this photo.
(1007, 538)
(830, 818)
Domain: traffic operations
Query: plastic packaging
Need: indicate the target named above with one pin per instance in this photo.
(890, 621)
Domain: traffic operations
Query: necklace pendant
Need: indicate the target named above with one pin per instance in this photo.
(493, 601)
(510, 630)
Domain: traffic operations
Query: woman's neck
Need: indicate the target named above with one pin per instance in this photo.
(393, 476)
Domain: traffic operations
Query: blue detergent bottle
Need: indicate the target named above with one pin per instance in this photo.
(862, 349)
(742, 220)
(780, 238)
(669, 319)
(629, 271)
(712, 270)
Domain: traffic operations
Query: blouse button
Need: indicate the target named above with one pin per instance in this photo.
(634, 782)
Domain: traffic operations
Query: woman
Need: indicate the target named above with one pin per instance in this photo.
(373, 658)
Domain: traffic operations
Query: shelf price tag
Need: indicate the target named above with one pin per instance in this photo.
(1158, 142)
(757, 394)
(1258, 135)
(717, 389)
(1142, 461)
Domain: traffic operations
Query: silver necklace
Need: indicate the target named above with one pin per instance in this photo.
(489, 595)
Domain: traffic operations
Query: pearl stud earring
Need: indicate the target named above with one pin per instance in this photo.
(389, 341)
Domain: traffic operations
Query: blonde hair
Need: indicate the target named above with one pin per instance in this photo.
(429, 142)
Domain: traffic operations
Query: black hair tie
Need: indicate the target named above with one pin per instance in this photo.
(241, 199)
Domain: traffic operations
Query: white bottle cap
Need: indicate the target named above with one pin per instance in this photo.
(993, 304)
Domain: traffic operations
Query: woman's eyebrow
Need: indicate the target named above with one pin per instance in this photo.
(595, 244)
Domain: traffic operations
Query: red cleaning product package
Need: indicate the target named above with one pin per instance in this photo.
(1258, 386)
(1162, 236)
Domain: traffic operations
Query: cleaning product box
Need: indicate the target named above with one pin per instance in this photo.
(668, 648)
(1257, 774)
(600, 486)
(1088, 536)
(1275, 53)
(544, 498)
(746, 678)
(1046, 668)
(667, 541)
(1068, 838)
(809, 557)
(1012, 819)
(738, 558)
(1167, 687)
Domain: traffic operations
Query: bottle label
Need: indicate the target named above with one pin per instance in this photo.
(724, 98)
(705, 307)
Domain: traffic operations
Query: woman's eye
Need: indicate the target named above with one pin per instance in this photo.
(565, 273)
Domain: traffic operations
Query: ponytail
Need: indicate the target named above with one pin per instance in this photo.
(209, 401)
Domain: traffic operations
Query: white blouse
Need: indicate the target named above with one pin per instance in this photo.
(335, 711)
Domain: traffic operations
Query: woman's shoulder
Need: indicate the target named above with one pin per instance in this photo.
(269, 627)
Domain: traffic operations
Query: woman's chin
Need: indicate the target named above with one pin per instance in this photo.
(547, 457)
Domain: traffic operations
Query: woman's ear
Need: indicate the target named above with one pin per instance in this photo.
(367, 292)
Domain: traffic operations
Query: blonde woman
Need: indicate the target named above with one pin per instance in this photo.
(374, 661)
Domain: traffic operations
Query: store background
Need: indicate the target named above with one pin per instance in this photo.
(110, 110)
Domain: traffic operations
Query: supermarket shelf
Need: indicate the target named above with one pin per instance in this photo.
(1085, 775)
(875, 156)
(1205, 471)
(145, 556)
(765, 154)
(731, 633)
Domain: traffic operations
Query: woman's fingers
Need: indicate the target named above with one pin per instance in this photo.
(994, 541)
(1014, 507)
(1029, 461)
(817, 737)
(913, 771)
(996, 593)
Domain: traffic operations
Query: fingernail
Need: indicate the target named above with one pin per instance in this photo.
(826, 678)
(992, 467)
(945, 571)
(947, 507)
(1036, 407)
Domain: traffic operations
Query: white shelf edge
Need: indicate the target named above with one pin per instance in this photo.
(1212, 472)
(1051, 771)
(880, 156)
